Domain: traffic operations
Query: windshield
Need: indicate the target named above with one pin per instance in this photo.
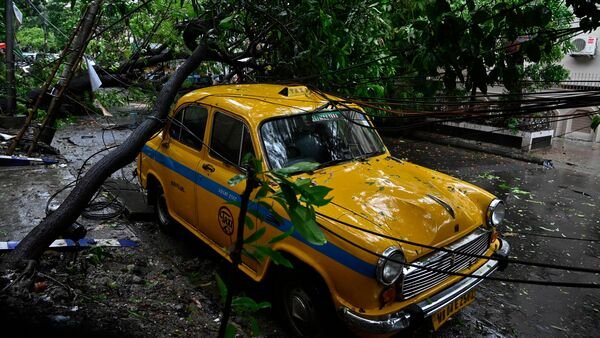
(322, 137)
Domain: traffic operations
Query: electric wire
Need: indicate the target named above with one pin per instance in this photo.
(450, 273)
(456, 252)
(202, 142)
(526, 233)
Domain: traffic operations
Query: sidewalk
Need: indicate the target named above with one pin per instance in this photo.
(575, 155)
(578, 156)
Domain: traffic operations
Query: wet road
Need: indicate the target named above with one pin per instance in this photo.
(25, 191)
(553, 217)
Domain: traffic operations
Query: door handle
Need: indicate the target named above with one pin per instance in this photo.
(208, 167)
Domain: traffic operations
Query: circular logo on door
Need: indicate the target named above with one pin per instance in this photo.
(226, 220)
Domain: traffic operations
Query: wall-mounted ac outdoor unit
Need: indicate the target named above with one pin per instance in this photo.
(584, 45)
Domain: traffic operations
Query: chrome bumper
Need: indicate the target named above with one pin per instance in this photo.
(404, 318)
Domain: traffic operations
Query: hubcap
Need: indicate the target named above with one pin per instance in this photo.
(302, 312)
(161, 207)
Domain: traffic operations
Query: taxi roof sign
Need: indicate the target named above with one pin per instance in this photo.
(294, 91)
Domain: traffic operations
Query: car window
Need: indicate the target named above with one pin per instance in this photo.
(188, 126)
(322, 137)
(230, 140)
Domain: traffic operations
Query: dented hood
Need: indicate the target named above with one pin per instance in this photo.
(402, 200)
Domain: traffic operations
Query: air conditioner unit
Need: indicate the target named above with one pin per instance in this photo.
(584, 45)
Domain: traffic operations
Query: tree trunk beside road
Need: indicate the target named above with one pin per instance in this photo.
(38, 240)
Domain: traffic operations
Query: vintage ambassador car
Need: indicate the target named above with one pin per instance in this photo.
(401, 238)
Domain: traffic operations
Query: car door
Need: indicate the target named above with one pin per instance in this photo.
(229, 141)
(184, 147)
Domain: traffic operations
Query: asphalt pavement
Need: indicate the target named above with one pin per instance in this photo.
(553, 217)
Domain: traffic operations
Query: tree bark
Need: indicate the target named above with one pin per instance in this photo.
(38, 240)
(79, 45)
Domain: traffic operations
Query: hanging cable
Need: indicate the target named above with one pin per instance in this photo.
(456, 252)
(499, 279)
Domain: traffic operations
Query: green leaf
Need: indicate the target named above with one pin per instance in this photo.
(325, 19)
(289, 194)
(282, 236)
(276, 256)
(595, 122)
(256, 163)
(281, 201)
(504, 186)
(248, 221)
(255, 236)
(303, 219)
(234, 203)
(316, 195)
(230, 331)
(221, 286)
(236, 179)
(254, 327)
(297, 168)
(248, 304)
(302, 182)
(227, 23)
(263, 191)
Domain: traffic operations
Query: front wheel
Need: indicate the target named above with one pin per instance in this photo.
(306, 306)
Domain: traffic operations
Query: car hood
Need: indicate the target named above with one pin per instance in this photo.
(401, 200)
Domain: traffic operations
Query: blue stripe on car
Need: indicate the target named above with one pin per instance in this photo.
(328, 249)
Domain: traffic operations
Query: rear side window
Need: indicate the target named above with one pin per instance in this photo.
(188, 126)
(230, 140)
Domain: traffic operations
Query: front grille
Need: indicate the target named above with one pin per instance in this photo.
(417, 280)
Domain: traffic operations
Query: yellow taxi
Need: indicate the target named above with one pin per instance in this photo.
(405, 244)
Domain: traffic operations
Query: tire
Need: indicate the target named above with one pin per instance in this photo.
(305, 306)
(166, 223)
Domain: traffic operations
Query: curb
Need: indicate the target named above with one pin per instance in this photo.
(480, 146)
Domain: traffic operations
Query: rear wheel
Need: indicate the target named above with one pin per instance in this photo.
(165, 222)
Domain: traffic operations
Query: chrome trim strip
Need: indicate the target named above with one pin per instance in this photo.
(403, 319)
(436, 302)
(443, 204)
(490, 210)
(437, 255)
(395, 322)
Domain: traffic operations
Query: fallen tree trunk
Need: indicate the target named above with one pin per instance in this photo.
(38, 240)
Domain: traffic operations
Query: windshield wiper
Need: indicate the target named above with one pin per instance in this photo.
(332, 162)
(360, 158)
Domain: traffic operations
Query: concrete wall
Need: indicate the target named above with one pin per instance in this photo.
(584, 67)
(584, 74)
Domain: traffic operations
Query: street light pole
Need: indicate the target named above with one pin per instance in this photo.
(10, 58)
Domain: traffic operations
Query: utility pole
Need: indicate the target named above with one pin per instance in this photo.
(11, 98)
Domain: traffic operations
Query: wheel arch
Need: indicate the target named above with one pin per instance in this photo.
(307, 266)
(153, 184)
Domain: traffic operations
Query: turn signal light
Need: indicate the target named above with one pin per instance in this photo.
(493, 236)
(388, 295)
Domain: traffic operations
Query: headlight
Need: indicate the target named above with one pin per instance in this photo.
(495, 212)
(389, 267)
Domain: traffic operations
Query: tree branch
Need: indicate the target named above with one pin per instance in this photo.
(38, 240)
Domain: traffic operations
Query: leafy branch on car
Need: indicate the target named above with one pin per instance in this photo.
(298, 198)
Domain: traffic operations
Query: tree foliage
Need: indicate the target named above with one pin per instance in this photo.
(36, 39)
(482, 43)
(353, 47)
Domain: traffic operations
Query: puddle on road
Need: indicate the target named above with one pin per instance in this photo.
(24, 192)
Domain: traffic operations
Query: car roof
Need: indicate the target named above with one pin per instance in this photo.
(257, 102)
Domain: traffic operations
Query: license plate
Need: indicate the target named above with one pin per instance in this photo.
(446, 312)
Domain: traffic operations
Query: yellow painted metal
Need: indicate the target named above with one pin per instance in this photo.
(381, 194)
